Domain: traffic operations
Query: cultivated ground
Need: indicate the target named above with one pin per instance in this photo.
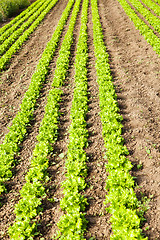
(136, 73)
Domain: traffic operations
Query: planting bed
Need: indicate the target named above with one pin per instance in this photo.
(62, 122)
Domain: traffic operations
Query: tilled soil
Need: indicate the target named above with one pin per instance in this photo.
(98, 224)
(136, 70)
(52, 211)
(15, 81)
(15, 184)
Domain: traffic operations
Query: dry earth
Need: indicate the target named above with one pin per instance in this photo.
(136, 73)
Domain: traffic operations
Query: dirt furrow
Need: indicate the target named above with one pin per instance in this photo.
(136, 70)
(15, 184)
(15, 81)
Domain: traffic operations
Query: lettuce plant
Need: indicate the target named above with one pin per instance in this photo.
(121, 196)
(72, 224)
(146, 31)
(18, 130)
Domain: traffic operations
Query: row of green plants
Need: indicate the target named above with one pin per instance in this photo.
(17, 45)
(157, 1)
(21, 15)
(148, 33)
(121, 198)
(14, 36)
(13, 28)
(10, 7)
(72, 224)
(33, 190)
(152, 20)
(152, 5)
(18, 130)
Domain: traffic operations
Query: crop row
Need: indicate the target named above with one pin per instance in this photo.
(152, 5)
(33, 191)
(148, 33)
(121, 197)
(12, 29)
(157, 1)
(18, 130)
(73, 223)
(125, 216)
(46, 7)
(10, 40)
(16, 19)
(152, 20)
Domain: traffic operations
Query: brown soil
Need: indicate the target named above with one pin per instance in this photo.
(136, 70)
(15, 81)
(10, 199)
(48, 223)
(98, 225)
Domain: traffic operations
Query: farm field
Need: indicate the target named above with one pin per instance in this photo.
(79, 109)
